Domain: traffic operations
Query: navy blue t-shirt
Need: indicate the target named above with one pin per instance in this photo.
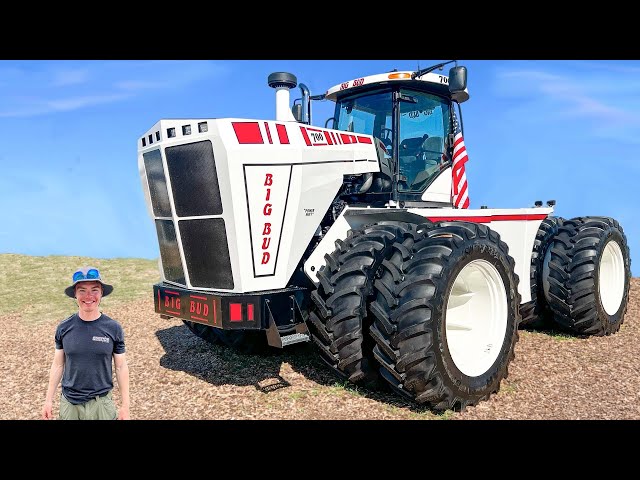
(88, 350)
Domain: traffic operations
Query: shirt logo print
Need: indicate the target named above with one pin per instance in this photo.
(100, 339)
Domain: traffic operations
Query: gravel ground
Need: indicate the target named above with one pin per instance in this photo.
(175, 375)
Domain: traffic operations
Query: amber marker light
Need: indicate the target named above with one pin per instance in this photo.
(396, 76)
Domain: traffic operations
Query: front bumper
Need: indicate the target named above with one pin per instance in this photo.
(231, 311)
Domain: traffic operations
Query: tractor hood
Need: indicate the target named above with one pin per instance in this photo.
(236, 202)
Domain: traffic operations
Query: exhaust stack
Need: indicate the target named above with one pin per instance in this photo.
(283, 82)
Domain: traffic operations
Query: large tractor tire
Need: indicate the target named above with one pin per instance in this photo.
(587, 275)
(339, 317)
(536, 314)
(243, 341)
(447, 314)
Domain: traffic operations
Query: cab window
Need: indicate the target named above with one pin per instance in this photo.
(424, 126)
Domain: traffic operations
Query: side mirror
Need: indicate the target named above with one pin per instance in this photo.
(457, 79)
(458, 84)
(296, 110)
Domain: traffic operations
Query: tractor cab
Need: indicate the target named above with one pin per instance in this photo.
(409, 116)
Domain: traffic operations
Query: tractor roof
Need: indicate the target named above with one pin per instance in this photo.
(433, 81)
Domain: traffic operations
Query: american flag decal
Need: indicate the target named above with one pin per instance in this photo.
(459, 189)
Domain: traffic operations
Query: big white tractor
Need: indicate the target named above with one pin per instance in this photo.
(356, 236)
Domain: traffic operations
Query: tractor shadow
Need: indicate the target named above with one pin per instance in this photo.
(223, 365)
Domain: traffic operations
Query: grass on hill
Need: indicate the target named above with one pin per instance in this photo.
(34, 286)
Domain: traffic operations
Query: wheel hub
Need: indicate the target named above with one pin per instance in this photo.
(476, 318)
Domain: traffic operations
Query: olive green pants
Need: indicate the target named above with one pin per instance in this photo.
(99, 408)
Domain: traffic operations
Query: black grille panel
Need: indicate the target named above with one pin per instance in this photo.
(204, 242)
(169, 252)
(157, 184)
(194, 179)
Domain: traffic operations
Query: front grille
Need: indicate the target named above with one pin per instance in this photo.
(206, 252)
(191, 180)
(157, 184)
(169, 252)
(194, 180)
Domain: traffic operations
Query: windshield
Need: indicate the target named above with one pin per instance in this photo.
(424, 126)
(369, 114)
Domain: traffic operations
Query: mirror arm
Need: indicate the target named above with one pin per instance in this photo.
(424, 71)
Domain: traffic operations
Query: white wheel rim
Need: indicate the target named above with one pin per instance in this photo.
(476, 318)
(611, 277)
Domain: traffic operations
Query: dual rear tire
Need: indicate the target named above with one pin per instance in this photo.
(447, 316)
(339, 320)
(580, 276)
(439, 302)
(587, 273)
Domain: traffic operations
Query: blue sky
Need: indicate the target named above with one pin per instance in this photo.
(534, 130)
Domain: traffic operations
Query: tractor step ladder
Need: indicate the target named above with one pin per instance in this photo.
(300, 333)
(295, 338)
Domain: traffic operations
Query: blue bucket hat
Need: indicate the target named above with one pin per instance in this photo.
(87, 274)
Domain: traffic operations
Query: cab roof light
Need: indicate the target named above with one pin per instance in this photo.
(396, 76)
